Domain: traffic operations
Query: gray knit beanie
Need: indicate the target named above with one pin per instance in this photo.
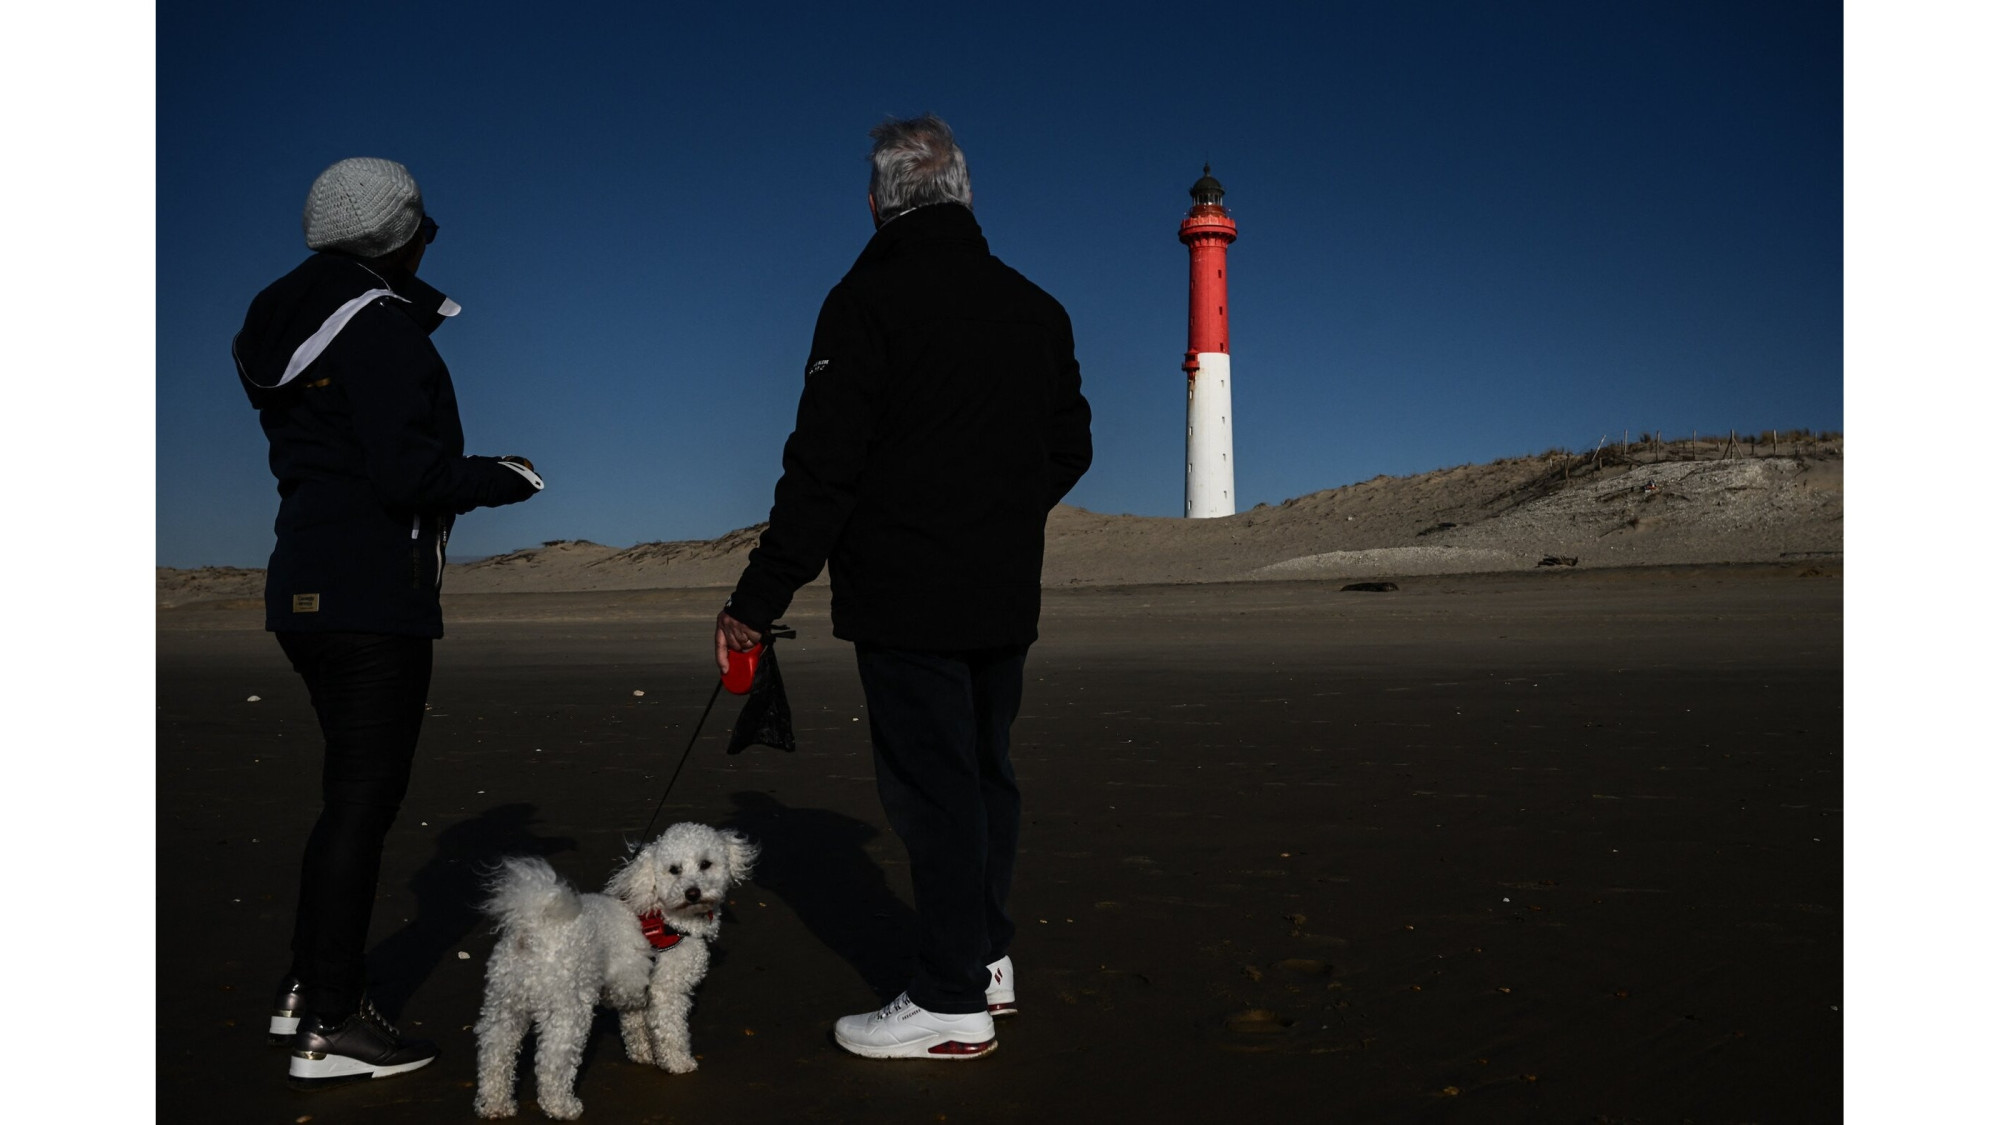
(364, 206)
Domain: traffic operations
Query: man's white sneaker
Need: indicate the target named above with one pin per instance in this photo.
(904, 1031)
(1000, 988)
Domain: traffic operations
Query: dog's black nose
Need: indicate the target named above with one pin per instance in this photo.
(694, 894)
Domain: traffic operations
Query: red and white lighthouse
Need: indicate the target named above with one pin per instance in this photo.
(1211, 470)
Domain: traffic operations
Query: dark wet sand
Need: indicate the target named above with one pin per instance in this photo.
(1539, 847)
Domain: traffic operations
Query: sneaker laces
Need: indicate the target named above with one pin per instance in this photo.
(368, 1012)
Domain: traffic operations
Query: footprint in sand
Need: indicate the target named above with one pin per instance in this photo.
(1257, 1021)
(1254, 1029)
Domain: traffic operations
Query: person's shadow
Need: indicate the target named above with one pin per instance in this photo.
(449, 890)
(813, 859)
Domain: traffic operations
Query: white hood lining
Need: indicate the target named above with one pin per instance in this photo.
(317, 342)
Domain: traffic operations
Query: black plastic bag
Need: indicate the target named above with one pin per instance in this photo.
(766, 719)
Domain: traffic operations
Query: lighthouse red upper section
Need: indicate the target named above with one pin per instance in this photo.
(1208, 230)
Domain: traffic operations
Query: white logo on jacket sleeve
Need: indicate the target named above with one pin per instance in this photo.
(818, 365)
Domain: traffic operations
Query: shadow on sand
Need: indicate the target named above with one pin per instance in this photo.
(449, 889)
(815, 861)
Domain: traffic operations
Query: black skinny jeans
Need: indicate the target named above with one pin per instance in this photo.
(940, 724)
(368, 690)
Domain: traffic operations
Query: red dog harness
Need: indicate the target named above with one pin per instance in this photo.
(654, 926)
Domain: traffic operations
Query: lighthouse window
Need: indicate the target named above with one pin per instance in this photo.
(1218, 273)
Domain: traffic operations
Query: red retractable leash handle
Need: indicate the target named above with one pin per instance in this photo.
(742, 670)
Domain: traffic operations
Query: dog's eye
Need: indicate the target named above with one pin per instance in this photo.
(705, 865)
(674, 870)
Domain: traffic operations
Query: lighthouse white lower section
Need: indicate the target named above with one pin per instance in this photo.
(1211, 456)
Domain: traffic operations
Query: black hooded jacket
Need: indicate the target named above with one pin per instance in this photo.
(366, 446)
(943, 416)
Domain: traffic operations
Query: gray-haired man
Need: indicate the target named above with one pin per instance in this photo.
(942, 417)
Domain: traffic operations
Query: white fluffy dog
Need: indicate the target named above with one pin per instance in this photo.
(640, 948)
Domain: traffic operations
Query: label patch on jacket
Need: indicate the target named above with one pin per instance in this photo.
(818, 366)
(305, 603)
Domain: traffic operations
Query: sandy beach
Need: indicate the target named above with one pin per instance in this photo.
(1508, 842)
(1681, 503)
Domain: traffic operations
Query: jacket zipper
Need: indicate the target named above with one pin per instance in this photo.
(416, 564)
(416, 568)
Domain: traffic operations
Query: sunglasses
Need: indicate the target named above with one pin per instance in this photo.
(428, 229)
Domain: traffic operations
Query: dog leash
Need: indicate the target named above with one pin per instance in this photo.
(742, 663)
(647, 834)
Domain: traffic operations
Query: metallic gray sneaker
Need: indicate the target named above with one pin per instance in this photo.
(285, 1011)
(362, 1046)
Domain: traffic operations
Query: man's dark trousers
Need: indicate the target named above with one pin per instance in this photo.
(939, 722)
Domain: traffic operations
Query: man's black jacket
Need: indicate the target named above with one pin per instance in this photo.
(943, 416)
(366, 446)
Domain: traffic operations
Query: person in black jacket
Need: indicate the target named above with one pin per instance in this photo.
(942, 418)
(371, 467)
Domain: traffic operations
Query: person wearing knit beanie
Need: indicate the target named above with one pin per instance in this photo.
(368, 452)
(364, 206)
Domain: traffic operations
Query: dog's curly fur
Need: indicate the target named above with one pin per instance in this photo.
(561, 952)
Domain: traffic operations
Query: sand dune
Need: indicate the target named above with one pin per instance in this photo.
(1694, 504)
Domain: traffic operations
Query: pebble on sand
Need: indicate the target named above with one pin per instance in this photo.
(255, 699)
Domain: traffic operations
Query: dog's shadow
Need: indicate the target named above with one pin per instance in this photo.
(449, 889)
(815, 861)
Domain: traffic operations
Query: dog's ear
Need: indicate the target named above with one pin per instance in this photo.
(742, 856)
(626, 882)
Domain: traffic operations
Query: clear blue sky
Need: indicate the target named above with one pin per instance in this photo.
(1468, 230)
